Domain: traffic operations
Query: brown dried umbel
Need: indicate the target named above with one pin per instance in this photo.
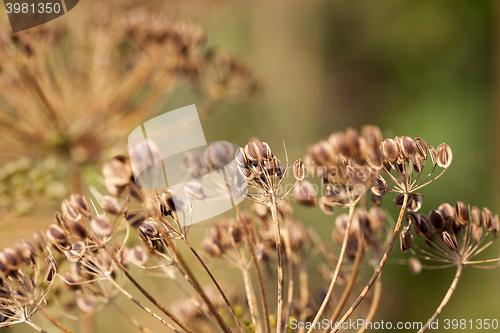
(119, 69)
(26, 276)
(454, 237)
(348, 164)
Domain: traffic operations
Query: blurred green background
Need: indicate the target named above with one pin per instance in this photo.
(417, 68)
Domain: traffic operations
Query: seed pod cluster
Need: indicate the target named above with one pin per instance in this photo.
(258, 165)
(455, 229)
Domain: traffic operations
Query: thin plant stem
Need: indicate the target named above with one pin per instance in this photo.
(196, 284)
(230, 307)
(304, 295)
(281, 279)
(131, 319)
(288, 250)
(445, 300)
(246, 234)
(379, 268)
(149, 296)
(54, 320)
(350, 283)
(377, 292)
(251, 298)
(142, 306)
(29, 322)
(336, 273)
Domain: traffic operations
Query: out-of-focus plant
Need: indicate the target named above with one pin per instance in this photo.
(75, 88)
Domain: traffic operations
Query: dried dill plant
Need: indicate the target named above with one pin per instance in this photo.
(96, 243)
(76, 88)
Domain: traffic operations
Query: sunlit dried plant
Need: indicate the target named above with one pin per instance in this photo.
(97, 241)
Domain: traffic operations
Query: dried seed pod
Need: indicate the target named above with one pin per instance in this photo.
(242, 158)
(267, 154)
(39, 241)
(352, 138)
(376, 218)
(173, 201)
(135, 220)
(390, 150)
(436, 220)
(414, 265)
(77, 229)
(102, 225)
(211, 248)
(305, 193)
(195, 190)
(51, 268)
(80, 203)
(59, 219)
(218, 154)
(85, 303)
(26, 251)
(118, 171)
(450, 241)
(495, 226)
(3, 269)
(414, 202)
(418, 163)
(235, 234)
(280, 170)
(372, 135)
(433, 153)
(487, 218)
(76, 253)
(254, 152)
(246, 172)
(11, 259)
(70, 212)
(406, 240)
(298, 170)
(138, 256)
(374, 159)
(376, 199)
(476, 232)
(56, 234)
(444, 156)
(339, 143)
(408, 147)
(421, 225)
(422, 147)
(379, 187)
(476, 216)
(359, 222)
(461, 213)
(111, 205)
(448, 212)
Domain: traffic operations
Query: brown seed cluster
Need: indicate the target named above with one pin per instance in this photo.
(453, 234)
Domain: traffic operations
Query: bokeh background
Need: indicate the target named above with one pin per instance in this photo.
(417, 68)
